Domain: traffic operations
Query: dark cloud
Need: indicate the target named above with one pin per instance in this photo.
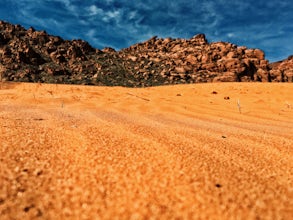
(120, 23)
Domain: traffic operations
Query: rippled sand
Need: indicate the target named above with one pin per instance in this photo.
(201, 151)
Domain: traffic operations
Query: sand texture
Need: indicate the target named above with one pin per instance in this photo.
(201, 151)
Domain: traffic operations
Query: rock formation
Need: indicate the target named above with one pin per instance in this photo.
(282, 71)
(35, 56)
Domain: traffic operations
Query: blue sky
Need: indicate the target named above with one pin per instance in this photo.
(264, 24)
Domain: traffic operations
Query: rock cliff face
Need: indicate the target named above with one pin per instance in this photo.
(35, 56)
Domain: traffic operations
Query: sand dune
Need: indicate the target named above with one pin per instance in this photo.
(203, 151)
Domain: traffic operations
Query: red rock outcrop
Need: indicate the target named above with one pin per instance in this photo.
(282, 71)
(196, 60)
(35, 56)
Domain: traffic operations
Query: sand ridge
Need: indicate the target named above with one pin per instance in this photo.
(184, 151)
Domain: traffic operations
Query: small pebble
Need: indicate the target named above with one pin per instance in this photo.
(26, 209)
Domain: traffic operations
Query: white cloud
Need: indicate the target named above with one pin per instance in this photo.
(94, 10)
(112, 15)
(132, 15)
(69, 6)
(230, 35)
(109, 1)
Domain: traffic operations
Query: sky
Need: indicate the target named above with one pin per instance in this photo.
(263, 24)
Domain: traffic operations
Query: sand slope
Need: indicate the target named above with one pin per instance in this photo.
(173, 152)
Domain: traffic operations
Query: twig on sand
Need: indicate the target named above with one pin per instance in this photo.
(239, 106)
(138, 97)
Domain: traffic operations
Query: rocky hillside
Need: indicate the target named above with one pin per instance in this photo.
(35, 56)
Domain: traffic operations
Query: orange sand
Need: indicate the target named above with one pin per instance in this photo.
(172, 152)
